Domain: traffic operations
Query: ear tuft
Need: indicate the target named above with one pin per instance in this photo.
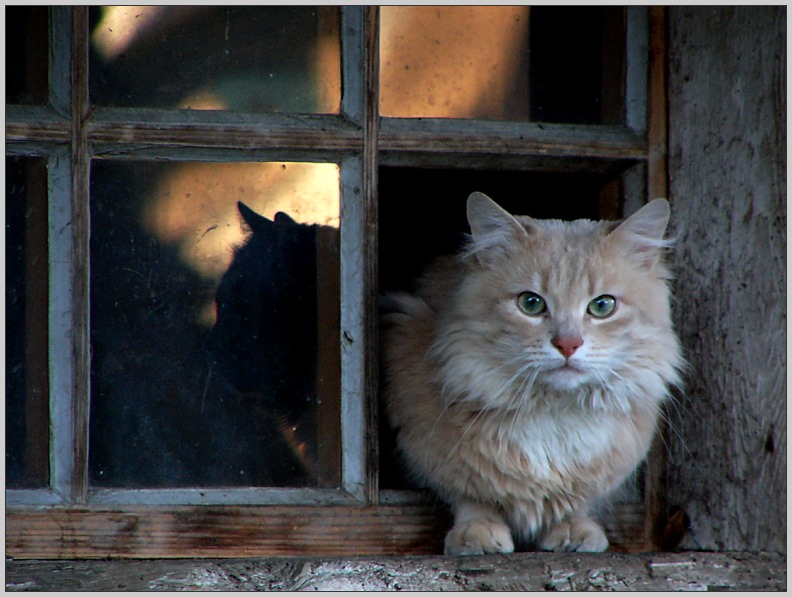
(493, 229)
(644, 230)
(649, 222)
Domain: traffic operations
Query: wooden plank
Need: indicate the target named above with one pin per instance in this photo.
(359, 258)
(214, 531)
(657, 128)
(250, 531)
(76, 487)
(61, 298)
(657, 186)
(413, 142)
(113, 131)
(428, 136)
(370, 247)
(516, 572)
(728, 152)
(214, 496)
(36, 131)
(36, 124)
(354, 471)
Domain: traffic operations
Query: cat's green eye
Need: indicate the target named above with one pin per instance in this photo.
(603, 306)
(531, 303)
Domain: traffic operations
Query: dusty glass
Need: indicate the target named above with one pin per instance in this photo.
(258, 59)
(517, 63)
(26, 356)
(27, 46)
(214, 334)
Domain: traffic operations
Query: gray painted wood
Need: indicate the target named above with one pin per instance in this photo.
(61, 358)
(727, 164)
(516, 572)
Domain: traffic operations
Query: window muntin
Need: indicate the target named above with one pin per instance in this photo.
(249, 59)
(187, 391)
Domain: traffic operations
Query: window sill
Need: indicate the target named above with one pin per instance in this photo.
(740, 571)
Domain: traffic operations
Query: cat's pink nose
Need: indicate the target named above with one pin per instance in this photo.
(567, 345)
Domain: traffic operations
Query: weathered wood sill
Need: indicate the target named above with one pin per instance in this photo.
(701, 571)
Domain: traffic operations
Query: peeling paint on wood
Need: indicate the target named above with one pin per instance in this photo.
(516, 572)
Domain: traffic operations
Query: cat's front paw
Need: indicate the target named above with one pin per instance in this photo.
(476, 537)
(578, 533)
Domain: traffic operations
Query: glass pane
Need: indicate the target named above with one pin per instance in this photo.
(27, 40)
(268, 59)
(214, 330)
(501, 62)
(26, 300)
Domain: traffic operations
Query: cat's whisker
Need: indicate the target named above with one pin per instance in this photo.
(675, 431)
(462, 436)
(522, 399)
(490, 404)
(517, 402)
(520, 373)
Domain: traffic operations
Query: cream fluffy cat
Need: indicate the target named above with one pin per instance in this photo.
(525, 377)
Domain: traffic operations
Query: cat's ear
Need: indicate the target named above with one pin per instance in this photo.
(492, 228)
(284, 218)
(644, 230)
(255, 221)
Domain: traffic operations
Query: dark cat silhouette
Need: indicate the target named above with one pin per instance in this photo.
(263, 344)
(162, 414)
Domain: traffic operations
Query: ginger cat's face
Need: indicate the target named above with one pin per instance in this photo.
(568, 305)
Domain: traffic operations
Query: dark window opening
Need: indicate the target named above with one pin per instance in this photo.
(27, 41)
(26, 298)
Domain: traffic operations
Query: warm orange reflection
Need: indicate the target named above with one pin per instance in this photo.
(121, 25)
(195, 205)
(454, 61)
(460, 61)
(308, 80)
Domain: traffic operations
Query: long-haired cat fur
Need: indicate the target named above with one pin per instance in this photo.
(524, 377)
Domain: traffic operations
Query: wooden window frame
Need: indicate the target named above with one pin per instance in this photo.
(71, 520)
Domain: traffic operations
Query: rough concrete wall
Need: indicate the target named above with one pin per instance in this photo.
(727, 167)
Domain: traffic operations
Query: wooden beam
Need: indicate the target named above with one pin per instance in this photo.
(212, 531)
(75, 487)
(516, 572)
(657, 186)
(173, 531)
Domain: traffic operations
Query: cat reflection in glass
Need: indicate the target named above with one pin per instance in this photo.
(524, 378)
(264, 342)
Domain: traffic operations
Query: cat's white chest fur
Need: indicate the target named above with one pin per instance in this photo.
(556, 443)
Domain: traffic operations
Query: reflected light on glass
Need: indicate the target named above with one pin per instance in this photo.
(119, 27)
(194, 206)
(454, 61)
